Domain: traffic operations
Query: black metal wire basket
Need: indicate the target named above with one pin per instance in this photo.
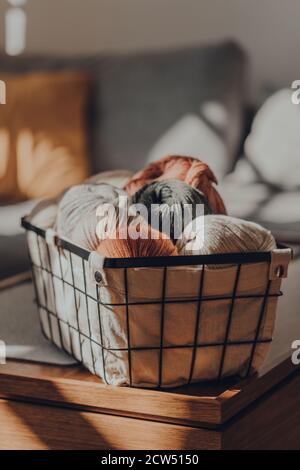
(157, 322)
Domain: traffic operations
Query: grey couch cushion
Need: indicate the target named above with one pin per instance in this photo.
(13, 255)
(142, 96)
(136, 98)
(13, 249)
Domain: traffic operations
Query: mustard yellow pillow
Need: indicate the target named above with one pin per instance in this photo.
(43, 144)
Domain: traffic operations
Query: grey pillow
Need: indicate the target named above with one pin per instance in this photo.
(143, 95)
(136, 98)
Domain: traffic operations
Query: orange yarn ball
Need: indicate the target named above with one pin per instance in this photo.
(156, 244)
(188, 169)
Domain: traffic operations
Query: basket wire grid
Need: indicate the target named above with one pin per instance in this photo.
(237, 259)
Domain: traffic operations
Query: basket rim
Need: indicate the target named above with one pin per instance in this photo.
(160, 261)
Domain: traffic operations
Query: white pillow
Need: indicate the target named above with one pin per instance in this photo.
(192, 136)
(282, 208)
(273, 145)
(241, 191)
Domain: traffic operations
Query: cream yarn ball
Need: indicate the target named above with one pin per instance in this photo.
(214, 234)
(77, 218)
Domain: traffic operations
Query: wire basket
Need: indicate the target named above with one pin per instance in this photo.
(157, 322)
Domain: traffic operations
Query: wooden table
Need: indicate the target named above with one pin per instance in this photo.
(50, 407)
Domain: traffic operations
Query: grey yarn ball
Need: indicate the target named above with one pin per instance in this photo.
(179, 204)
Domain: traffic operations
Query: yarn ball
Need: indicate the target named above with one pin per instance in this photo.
(224, 234)
(188, 169)
(77, 212)
(150, 243)
(172, 196)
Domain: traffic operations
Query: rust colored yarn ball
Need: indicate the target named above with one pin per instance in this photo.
(188, 169)
(156, 244)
